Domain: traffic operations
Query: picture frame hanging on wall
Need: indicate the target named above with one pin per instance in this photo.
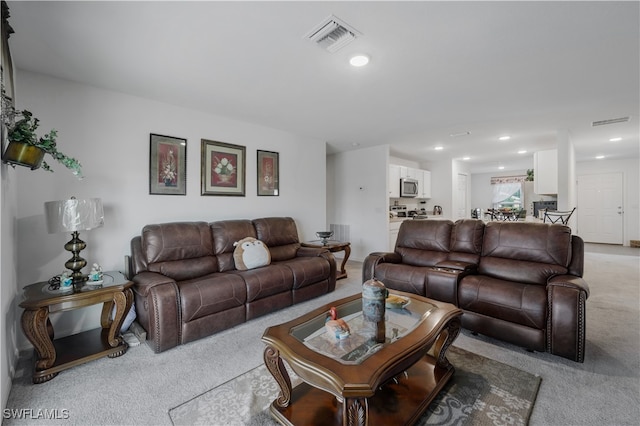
(223, 168)
(268, 173)
(167, 165)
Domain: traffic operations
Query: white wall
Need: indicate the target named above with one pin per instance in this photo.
(9, 288)
(109, 133)
(358, 188)
(442, 187)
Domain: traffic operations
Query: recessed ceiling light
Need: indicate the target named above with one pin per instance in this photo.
(355, 144)
(522, 151)
(599, 157)
(466, 158)
(615, 139)
(501, 167)
(439, 148)
(359, 60)
(457, 135)
(504, 138)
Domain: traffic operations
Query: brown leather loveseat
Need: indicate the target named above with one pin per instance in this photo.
(187, 286)
(520, 282)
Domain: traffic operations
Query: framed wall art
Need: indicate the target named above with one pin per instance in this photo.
(167, 165)
(268, 173)
(223, 168)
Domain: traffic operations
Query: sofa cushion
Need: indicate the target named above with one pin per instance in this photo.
(176, 241)
(266, 281)
(424, 242)
(225, 233)
(280, 234)
(510, 301)
(466, 241)
(211, 294)
(250, 254)
(308, 270)
(180, 250)
(402, 277)
(525, 252)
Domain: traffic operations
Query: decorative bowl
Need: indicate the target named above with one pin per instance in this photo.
(324, 236)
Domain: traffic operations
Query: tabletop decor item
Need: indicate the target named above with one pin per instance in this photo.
(167, 165)
(222, 168)
(268, 173)
(27, 149)
(72, 216)
(324, 236)
(374, 294)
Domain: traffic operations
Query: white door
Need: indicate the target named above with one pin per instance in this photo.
(462, 196)
(600, 208)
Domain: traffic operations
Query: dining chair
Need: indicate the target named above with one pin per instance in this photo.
(555, 216)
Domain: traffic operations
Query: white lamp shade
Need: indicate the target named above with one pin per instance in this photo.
(73, 215)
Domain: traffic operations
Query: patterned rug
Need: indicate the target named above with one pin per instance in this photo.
(481, 392)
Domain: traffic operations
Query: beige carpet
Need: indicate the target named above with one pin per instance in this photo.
(481, 392)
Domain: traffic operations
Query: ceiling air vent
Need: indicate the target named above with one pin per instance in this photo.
(610, 121)
(332, 34)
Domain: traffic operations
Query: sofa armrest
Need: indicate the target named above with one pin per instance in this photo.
(371, 261)
(458, 266)
(158, 309)
(311, 251)
(566, 297)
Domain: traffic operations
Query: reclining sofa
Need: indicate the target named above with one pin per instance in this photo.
(187, 286)
(520, 282)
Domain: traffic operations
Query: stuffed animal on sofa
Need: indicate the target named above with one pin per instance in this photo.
(250, 253)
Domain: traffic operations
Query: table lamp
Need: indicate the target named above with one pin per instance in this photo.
(72, 216)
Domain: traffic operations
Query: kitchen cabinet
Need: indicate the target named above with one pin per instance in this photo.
(394, 229)
(397, 172)
(394, 181)
(425, 186)
(545, 167)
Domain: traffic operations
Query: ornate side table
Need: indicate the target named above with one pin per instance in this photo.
(53, 356)
(333, 246)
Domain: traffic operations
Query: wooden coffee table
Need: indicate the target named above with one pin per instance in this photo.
(355, 381)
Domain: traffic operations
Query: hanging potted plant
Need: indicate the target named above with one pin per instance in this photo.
(25, 148)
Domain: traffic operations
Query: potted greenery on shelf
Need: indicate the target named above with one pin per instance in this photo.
(25, 148)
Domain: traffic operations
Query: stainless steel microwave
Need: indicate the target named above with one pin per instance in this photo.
(408, 187)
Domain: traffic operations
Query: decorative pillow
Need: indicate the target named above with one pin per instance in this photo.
(250, 253)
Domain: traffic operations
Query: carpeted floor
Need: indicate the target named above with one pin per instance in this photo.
(481, 392)
(140, 387)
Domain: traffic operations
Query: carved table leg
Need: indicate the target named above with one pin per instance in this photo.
(445, 339)
(122, 302)
(34, 325)
(276, 367)
(343, 270)
(355, 411)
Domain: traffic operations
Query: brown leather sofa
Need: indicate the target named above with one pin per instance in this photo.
(520, 282)
(187, 286)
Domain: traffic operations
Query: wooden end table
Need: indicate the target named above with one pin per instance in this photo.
(357, 381)
(53, 356)
(333, 246)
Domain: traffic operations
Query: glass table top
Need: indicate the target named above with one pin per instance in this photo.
(361, 343)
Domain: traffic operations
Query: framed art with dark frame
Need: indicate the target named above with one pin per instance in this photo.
(223, 168)
(167, 165)
(268, 173)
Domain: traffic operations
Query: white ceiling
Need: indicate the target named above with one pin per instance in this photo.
(524, 69)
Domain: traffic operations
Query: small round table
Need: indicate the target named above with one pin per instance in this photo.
(334, 246)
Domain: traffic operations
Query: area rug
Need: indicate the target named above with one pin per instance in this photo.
(481, 392)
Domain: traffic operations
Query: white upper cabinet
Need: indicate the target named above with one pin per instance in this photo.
(425, 187)
(397, 172)
(545, 172)
(394, 181)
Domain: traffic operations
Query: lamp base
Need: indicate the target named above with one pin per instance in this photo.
(76, 263)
